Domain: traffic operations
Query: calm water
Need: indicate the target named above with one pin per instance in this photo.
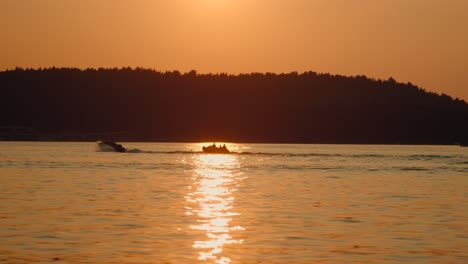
(169, 203)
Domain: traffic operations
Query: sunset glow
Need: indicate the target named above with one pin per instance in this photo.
(423, 42)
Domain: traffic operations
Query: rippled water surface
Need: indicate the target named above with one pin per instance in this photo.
(169, 203)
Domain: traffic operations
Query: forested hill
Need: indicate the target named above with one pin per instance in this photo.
(146, 105)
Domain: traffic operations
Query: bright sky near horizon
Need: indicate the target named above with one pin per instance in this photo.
(420, 41)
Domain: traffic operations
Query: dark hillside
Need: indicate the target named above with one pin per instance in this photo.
(146, 105)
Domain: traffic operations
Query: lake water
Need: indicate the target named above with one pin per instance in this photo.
(265, 203)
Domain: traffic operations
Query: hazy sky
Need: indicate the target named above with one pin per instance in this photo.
(421, 41)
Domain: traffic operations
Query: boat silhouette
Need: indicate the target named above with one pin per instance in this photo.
(215, 149)
(110, 146)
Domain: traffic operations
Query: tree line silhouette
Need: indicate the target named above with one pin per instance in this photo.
(309, 107)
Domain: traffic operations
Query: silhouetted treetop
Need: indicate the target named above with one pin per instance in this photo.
(304, 107)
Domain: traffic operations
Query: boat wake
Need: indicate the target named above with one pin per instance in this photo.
(276, 154)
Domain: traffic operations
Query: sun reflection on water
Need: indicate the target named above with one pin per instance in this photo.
(212, 198)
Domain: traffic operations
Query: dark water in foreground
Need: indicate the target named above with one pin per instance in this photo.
(168, 203)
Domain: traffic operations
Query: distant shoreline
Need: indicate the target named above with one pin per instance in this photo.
(67, 104)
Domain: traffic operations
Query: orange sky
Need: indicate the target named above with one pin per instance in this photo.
(421, 41)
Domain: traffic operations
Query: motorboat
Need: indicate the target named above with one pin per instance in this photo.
(110, 146)
(215, 149)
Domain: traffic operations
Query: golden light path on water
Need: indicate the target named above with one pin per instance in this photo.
(214, 183)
